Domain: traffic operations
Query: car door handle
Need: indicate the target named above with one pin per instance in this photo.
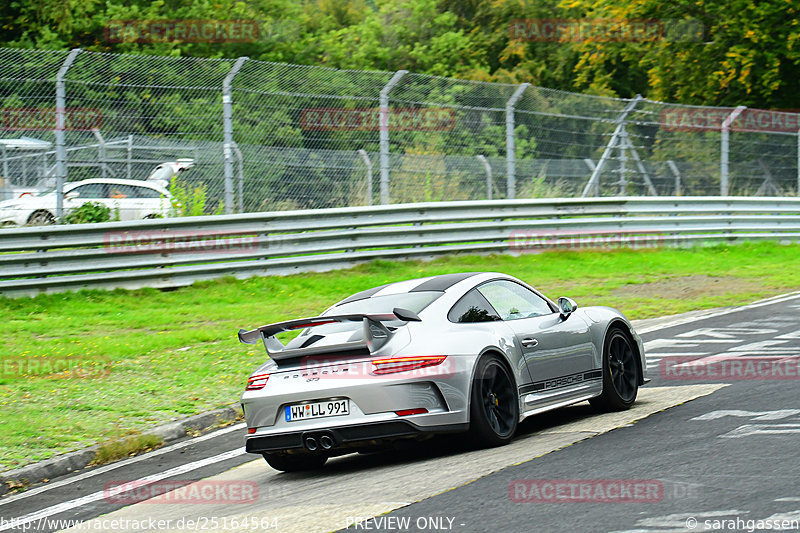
(529, 343)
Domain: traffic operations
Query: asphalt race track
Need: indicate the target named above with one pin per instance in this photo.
(711, 445)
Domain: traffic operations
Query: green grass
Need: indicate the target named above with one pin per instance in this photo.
(95, 367)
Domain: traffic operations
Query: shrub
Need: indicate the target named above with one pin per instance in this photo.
(88, 213)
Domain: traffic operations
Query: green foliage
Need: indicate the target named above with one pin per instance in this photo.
(190, 201)
(88, 213)
(715, 53)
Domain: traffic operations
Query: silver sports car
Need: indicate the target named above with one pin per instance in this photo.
(467, 352)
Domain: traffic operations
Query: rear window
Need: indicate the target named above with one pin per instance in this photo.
(413, 301)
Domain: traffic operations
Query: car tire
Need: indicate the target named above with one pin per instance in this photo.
(41, 217)
(494, 403)
(620, 373)
(295, 463)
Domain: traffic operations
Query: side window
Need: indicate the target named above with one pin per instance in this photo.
(514, 301)
(121, 191)
(472, 307)
(146, 192)
(90, 190)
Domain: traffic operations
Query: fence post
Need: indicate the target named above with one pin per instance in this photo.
(594, 180)
(129, 154)
(488, 168)
(511, 145)
(101, 151)
(61, 152)
(384, 133)
(675, 172)
(368, 164)
(240, 169)
(723, 162)
(227, 128)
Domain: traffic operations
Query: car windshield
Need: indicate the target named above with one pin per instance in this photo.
(413, 301)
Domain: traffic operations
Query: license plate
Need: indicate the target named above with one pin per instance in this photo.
(324, 409)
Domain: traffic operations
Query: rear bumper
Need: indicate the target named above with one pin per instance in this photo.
(344, 436)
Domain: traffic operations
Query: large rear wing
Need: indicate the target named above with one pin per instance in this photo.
(376, 334)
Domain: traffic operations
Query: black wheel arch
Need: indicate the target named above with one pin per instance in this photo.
(623, 326)
(497, 352)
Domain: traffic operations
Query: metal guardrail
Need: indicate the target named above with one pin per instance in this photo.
(179, 251)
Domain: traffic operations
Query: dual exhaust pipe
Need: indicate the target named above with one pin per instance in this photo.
(321, 441)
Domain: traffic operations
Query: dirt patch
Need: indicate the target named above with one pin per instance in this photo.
(688, 287)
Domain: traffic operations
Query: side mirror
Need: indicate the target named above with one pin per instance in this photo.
(566, 306)
(72, 195)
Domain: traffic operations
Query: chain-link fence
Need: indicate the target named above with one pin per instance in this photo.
(268, 136)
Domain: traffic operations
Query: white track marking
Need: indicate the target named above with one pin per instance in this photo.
(761, 429)
(99, 495)
(713, 314)
(119, 464)
(780, 414)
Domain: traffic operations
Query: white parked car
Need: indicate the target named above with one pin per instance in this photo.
(130, 199)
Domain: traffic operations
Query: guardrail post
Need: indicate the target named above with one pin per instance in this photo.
(798, 162)
(384, 133)
(594, 180)
(61, 152)
(227, 129)
(368, 164)
(511, 145)
(723, 162)
(488, 168)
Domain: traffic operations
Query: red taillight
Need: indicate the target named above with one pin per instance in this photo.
(404, 364)
(407, 412)
(250, 431)
(257, 382)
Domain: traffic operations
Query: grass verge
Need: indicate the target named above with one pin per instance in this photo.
(95, 366)
(125, 447)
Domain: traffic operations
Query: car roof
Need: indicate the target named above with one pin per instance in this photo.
(438, 283)
(116, 181)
